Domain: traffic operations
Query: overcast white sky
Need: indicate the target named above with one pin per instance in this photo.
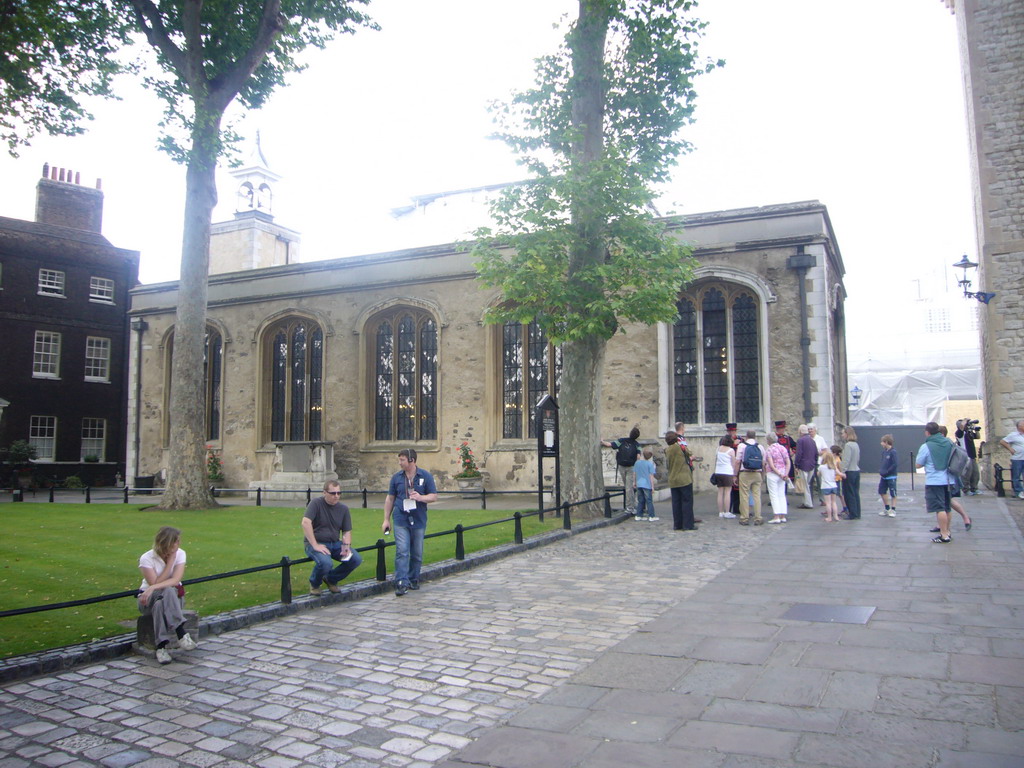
(858, 105)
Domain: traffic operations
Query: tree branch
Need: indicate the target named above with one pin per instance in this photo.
(226, 86)
(148, 17)
(191, 28)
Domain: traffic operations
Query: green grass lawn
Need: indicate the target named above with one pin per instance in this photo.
(51, 553)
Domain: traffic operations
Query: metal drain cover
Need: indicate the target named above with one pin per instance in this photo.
(842, 614)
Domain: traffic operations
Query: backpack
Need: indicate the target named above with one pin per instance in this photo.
(752, 457)
(627, 453)
(960, 464)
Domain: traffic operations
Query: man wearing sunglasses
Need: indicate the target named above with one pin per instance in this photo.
(325, 518)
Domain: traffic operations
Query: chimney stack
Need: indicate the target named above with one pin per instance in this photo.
(63, 201)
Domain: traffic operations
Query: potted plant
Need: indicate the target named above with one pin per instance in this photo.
(469, 478)
(92, 458)
(20, 454)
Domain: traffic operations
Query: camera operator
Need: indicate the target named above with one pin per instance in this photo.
(967, 431)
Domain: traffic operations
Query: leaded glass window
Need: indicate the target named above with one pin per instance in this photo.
(294, 381)
(684, 353)
(540, 367)
(716, 356)
(212, 360)
(405, 373)
(745, 359)
(213, 372)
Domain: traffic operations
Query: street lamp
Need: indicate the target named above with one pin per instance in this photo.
(855, 395)
(983, 296)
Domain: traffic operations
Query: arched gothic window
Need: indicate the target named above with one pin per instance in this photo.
(213, 372)
(404, 353)
(531, 367)
(293, 367)
(716, 356)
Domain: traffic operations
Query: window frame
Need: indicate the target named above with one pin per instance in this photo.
(104, 360)
(412, 346)
(104, 295)
(89, 433)
(51, 282)
(53, 355)
(278, 381)
(528, 337)
(48, 423)
(743, 331)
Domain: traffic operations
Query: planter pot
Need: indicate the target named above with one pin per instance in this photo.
(470, 487)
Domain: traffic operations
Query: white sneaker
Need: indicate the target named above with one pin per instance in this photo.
(891, 513)
(186, 643)
(654, 519)
(1020, 495)
(883, 512)
(163, 656)
(727, 515)
(774, 522)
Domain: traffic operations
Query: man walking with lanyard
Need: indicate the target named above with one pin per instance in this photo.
(413, 488)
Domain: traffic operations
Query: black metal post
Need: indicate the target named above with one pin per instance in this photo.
(286, 580)
(259, 497)
(126, 493)
(519, 528)
(309, 495)
(460, 544)
(566, 521)
(51, 494)
(88, 495)
(483, 497)
(382, 565)
(607, 504)
(364, 498)
(540, 513)
(913, 469)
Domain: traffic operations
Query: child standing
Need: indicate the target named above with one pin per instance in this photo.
(644, 481)
(831, 474)
(888, 473)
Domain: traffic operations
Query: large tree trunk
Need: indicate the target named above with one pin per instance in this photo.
(583, 360)
(580, 422)
(187, 486)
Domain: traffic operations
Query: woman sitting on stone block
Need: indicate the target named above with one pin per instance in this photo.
(161, 594)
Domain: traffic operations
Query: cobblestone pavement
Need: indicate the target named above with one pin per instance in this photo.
(377, 682)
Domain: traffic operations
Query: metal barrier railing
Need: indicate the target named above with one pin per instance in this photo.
(257, 493)
(380, 547)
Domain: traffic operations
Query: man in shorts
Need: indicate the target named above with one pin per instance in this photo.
(933, 457)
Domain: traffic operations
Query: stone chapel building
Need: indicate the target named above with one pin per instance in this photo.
(328, 368)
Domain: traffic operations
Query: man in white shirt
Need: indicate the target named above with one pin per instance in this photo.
(1014, 443)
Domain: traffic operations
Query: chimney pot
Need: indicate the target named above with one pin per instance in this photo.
(78, 177)
(46, 170)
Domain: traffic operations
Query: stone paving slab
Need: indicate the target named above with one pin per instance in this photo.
(379, 681)
(630, 645)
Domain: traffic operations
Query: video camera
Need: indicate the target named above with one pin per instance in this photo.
(969, 427)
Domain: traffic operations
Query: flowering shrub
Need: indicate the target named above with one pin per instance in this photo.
(469, 467)
(214, 469)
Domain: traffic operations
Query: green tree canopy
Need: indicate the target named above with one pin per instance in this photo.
(53, 55)
(576, 248)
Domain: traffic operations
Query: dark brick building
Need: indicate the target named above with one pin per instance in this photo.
(64, 329)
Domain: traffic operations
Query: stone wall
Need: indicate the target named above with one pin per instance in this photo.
(343, 295)
(991, 36)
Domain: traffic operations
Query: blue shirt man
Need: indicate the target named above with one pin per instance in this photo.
(411, 490)
(933, 456)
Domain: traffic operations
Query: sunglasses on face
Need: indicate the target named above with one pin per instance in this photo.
(333, 493)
